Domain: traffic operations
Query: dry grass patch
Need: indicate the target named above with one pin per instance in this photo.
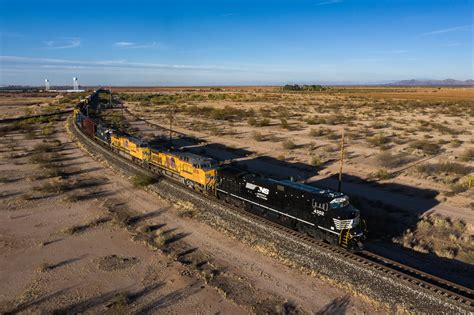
(143, 180)
(316, 161)
(426, 147)
(318, 132)
(442, 236)
(378, 140)
(83, 227)
(54, 186)
(447, 168)
(186, 209)
(392, 160)
(257, 136)
(162, 238)
(114, 262)
(288, 144)
(467, 155)
(382, 174)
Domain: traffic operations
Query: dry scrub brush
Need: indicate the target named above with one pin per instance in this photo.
(392, 160)
(426, 147)
(441, 236)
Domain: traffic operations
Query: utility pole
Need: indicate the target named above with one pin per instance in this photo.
(342, 161)
(171, 126)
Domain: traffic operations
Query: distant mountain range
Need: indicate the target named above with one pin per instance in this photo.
(447, 82)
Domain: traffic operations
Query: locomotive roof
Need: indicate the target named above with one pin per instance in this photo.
(310, 189)
(193, 158)
(134, 139)
(298, 186)
(231, 171)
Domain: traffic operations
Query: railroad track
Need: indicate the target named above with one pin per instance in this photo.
(435, 285)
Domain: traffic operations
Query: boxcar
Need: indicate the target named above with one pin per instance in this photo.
(89, 127)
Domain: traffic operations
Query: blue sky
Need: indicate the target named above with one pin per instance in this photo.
(234, 42)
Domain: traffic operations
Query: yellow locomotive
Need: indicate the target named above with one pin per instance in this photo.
(195, 171)
(136, 148)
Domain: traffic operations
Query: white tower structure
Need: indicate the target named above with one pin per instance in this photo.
(46, 83)
(75, 84)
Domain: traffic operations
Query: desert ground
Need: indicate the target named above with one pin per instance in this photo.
(77, 236)
(25, 104)
(408, 159)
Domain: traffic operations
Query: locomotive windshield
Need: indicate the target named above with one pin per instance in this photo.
(339, 202)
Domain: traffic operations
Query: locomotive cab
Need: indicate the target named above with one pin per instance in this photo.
(347, 222)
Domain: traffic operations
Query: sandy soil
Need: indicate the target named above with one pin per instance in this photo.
(66, 251)
(20, 104)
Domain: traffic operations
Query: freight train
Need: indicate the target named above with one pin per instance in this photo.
(321, 213)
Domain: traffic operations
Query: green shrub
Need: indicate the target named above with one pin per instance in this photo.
(264, 122)
(284, 123)
(315, 120)
(382, 174)
(458, 188)
(227, 113)
(47, 130)
(143, 180)
(316, 161)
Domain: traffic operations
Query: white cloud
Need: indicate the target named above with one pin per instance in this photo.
(107, 63)
(124, 44)
(328, 2)
(449, 30)
(131, 45)
(63, 43)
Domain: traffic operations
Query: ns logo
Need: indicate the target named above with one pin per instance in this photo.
(260, 192)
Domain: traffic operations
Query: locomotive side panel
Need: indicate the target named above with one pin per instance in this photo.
(186, 170)
(135, 148)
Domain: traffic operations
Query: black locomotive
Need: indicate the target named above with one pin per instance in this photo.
(318, 212)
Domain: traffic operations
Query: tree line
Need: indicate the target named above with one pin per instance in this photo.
(296, 87)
